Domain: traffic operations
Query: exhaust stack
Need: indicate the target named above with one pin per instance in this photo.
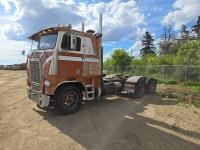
(83, 26)
(100, 23)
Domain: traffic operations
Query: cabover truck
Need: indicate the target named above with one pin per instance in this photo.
(66, 68)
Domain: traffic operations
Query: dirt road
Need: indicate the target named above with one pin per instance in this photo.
(114, 123)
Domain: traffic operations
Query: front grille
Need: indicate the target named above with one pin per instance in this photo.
(36, 55)
(35, 86)
(35, 74)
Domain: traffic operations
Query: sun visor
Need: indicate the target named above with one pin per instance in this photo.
(36, 36)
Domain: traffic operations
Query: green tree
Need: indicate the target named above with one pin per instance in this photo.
(148, 46)
(166, 60)
(154, 60)
(107, 63)
(196, 28)
(169, 48)
(189, 53)
(136, 62)
(120, 58)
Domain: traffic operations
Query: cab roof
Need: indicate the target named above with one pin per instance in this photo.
(50, 30)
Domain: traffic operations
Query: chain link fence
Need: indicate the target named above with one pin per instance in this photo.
(178, 73)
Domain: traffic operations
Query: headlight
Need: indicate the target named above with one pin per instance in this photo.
(47, 82)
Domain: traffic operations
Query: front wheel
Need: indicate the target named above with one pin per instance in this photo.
(68, 100)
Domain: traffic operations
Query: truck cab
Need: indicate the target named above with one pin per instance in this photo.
(65, 68)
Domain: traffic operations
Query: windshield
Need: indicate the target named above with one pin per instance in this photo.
(34, 45)
(47, 41)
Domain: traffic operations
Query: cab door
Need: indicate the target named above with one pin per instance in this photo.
(71, 56)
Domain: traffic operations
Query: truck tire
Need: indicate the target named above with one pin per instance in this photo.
(139, 88)
(68, 100)
(151, 86)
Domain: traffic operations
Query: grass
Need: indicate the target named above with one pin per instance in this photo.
(196, 103)
(194, 86)
(168, 82)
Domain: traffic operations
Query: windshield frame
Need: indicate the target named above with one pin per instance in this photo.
(54, 33)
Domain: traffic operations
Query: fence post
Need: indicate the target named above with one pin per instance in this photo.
(136, 70)
(164, 72)
(186, 75)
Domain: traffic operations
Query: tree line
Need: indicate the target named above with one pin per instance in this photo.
(183, 49)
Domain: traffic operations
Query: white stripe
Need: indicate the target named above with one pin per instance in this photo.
(91, 60)
(70, 58)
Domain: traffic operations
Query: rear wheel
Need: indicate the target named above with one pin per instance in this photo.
(68, 100)
(151, 86)
(139, 88)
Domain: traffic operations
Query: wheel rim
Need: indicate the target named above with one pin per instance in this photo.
(70, 99)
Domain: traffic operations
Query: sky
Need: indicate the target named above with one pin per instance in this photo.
(124, 21)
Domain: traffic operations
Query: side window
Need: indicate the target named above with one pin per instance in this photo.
(78, 43)
(70, 42)
(66, 42)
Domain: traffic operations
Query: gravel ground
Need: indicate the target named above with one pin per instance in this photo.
(114, 123)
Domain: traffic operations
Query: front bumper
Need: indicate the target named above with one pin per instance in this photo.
(37, 96)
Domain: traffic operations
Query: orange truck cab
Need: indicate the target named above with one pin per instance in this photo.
(66, 67)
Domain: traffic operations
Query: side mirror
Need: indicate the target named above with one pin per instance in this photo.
(23, 52)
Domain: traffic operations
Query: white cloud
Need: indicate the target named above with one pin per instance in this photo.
(121, 19)
(6, 5)
(184, 12)
(11, 29)
(135, 49)
(10, 51)
(32, 16)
